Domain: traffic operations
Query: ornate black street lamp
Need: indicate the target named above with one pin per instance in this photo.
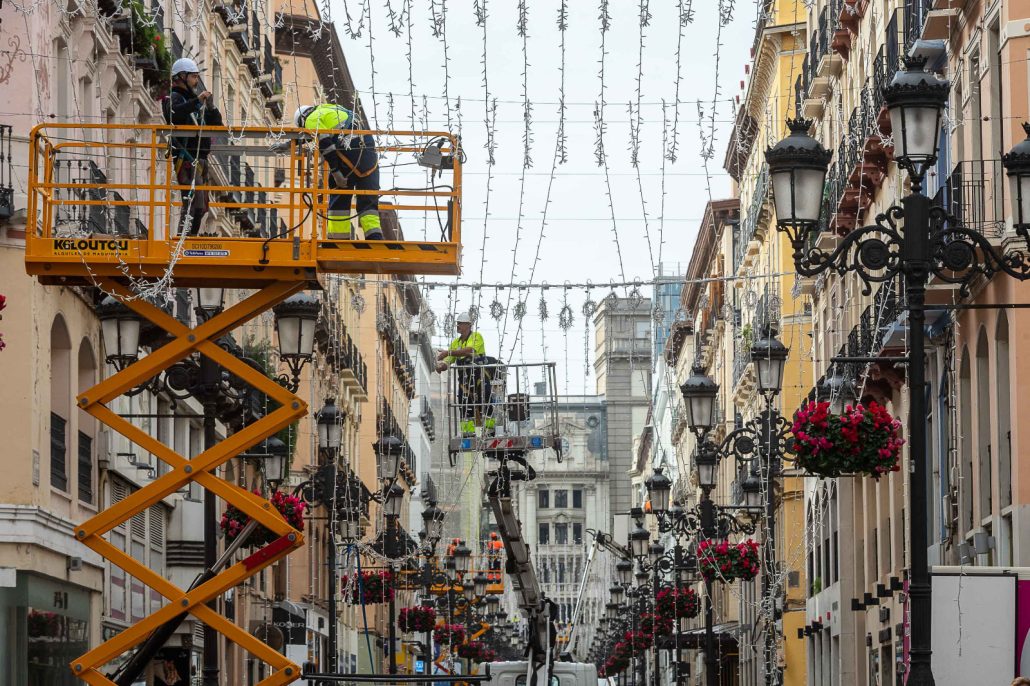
(928, 241)
(295, 320)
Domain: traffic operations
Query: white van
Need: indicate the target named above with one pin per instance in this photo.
(565, 674)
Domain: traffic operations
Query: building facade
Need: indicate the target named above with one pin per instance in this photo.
(562, 509)
(622, 369)
(858, 529)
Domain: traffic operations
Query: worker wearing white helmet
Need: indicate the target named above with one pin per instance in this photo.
(474, 393)
(189, 104)
(353, 164)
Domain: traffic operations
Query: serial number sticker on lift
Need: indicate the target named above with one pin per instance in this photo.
(205, 253)
(89, 246)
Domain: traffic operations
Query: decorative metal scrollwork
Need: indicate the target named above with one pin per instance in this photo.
(872, 252)
(960, 255)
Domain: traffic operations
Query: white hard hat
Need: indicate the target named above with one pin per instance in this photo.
(463, 318)
(185, 64)
(301, 114)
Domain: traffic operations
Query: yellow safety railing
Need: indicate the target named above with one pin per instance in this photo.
(108, 194)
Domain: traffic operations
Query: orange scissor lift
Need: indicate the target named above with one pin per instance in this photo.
(102, 208)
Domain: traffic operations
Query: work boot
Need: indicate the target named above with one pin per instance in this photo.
(371, 226)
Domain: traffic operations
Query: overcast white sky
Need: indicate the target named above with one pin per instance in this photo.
(578, 239)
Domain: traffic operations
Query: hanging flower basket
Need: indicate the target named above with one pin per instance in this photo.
(420, 618)
(866, 439)
(371, 589)
(638, 641)
(677, 603)
(473, 650)
(449, 634)
(618, 661)
(290, 507)
(727, 562)
(654, 625)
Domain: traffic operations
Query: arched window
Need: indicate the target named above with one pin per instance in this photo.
(965, 401)
(60, 402)
(983, 425)
(1003, 391)
(87, 427)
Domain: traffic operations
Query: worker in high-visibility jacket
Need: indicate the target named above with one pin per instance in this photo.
(474, 374)
(353, 164)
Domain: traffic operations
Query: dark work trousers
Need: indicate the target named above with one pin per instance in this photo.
(475, 393)
(194, 200)
(359, 166)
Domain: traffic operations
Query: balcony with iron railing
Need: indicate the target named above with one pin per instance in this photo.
(767, 312)
(742, 355)
(239, 24)
(753, 225)
(428, 418)
(916, 13)
(974, 193)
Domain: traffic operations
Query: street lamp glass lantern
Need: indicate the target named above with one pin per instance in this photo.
(119, 329)
(295, 320)
(838, 390)
(752, 488)
(797, 167)
(393, 498)
(462, 558)
(493, 603)
(624, 572)
(638, 540)
(481, 581)
(330, 426)
(617, 592)
(655, 551)
(769, 356)
(350, 526)
(707, 464)
(1017, 166)
(432, 519)
(659, 487)
(915, 99)
(468, 590)
(699, 393)
(208, 300)
(388, 449)
(277, 454)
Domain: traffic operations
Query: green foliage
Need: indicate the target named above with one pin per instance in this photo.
(149, 43)
(260, 351)
(747, 335)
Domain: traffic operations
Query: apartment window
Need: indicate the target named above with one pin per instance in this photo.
(544, 534)
(561, 499)
(561, 534)
(642, 330)
(577, 498)
(85, 468)
(543, 499)
(60, 406)
(577, 533)
(58, 452)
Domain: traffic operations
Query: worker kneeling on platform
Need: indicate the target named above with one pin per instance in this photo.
(190, 104)
(473, 376)
(353, 164)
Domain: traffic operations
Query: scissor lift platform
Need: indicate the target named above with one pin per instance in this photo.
(110, 208)
(104, 208)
